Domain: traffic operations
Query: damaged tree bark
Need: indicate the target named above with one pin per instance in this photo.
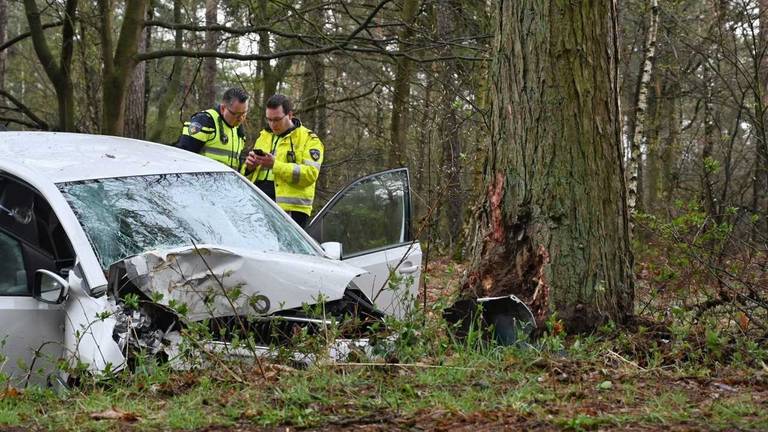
(553, 228)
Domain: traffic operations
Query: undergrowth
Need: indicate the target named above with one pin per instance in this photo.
(693, 358)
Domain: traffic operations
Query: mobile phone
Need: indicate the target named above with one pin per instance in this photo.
(259, 152)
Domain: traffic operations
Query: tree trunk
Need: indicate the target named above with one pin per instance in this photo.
(707, 159)
(402, 89)
(89, 122)
(208, 95)
(271, 76)
(670, 155)
(653, 160)
(135, 104)
(554, 226)
(3, 33)
(449, 129)
(119, 62)
(760, 189)
(634, 187)
(60, 73)
(173, 83)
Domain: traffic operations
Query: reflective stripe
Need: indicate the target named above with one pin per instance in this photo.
(296, 175)
(311, 163)
(220, 152)
(296, 201)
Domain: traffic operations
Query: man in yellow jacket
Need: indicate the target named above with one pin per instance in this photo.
(218, 133)
(286, 160)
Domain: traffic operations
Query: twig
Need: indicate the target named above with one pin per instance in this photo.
(400, 365)
(630, 362)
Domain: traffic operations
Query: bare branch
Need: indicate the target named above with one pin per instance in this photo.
(9, 43)
(40, 124)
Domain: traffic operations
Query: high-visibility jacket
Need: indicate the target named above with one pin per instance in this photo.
(214, 138)
(298, 157)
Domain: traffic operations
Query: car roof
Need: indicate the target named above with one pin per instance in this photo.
(63, 157)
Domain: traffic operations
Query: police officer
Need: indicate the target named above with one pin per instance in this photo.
(217, 132)
(285, 160)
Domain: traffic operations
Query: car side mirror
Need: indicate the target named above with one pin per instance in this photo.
(50, 287)
(333, 249)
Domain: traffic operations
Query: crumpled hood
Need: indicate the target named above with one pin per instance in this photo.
(216, 281)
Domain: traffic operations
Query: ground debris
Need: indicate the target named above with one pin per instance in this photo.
(115, 413)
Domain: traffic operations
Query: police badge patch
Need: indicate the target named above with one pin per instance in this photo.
(315, 153)
(194, 128)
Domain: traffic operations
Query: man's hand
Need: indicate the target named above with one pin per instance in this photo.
(266, 161)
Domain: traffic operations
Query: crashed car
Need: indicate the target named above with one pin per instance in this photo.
(109, 245)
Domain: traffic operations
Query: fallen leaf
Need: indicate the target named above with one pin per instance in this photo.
(116, 414)
(558, 328)
(10, 393)
(743, 320)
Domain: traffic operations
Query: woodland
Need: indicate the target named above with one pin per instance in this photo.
(604, 161)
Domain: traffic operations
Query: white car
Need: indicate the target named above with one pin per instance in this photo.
(88, 221)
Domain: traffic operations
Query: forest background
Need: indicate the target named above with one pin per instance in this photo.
(416, 83)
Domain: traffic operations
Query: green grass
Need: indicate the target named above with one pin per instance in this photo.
(609, 380)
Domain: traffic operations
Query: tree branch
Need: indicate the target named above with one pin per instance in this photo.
(287, 53)
(9, 43)
(24, 109)
(338, 101)
(39, 42)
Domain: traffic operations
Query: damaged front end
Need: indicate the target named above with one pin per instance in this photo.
(223, 296)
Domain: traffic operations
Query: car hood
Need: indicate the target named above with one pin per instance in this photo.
(210, 281)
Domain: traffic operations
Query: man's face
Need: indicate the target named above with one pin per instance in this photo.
(234, 112)
(279, 121)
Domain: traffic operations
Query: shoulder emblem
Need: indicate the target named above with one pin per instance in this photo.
(194, 127)
(315, 153)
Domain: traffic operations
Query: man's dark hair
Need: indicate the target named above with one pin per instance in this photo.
(234, 93)
(278, 100)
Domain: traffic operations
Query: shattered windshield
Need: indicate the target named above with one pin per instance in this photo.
(131, 215)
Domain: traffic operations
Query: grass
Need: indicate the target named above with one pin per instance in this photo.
(495, 387)
(686, 377)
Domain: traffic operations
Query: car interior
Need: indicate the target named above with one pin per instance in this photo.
(31, 238)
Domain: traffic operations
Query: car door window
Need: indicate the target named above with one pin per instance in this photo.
(13, 276)
(27, 217)
(370, 214)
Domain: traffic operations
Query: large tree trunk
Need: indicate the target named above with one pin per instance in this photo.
(760, 187)
(635, 187)
(554, 227)
(402, 89)
(208, 90)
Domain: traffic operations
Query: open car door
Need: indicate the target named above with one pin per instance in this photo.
(371, 218)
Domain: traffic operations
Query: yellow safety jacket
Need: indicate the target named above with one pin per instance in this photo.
(223, 143)
(298, 157)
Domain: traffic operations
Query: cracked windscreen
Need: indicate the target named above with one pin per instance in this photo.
(131, 215)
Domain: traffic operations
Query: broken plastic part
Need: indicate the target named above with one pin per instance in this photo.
(510, 319)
